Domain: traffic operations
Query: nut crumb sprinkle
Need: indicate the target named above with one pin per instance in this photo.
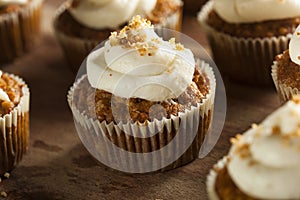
(296, 99)
(6, 175)
(129, 35)
(3, 194)
(179, 47)
(132, 37)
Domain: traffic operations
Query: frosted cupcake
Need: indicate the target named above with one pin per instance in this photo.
(264, 162)
(146, 96)
(14, 121)
(286, 69)
(19, 27)
(245, 36)
(80, 25)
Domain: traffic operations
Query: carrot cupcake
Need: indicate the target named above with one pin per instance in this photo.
(144, 104)
(19, 27)
(286, 69)
(245, 36)
(14, 121)
(264, 162)
(80, 25)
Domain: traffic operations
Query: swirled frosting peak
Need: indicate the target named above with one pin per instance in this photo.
(101, 14)
(265, 161)
(137, 63)
(9, 2)
(249, 11)
(294, 46)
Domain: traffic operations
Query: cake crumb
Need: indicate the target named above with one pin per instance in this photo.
(3, 194)
(6, 175)
(296, 99)
(172, 41)
(254, 126)
(179, 47)
(276, 130)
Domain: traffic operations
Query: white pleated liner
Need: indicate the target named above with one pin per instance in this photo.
(198, 118)
(14, 132)
(76, 49)
(211, 179)
(284, 92)
(19, 29)
(243, 59)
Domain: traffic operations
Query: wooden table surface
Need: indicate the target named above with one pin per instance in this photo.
(57, 166)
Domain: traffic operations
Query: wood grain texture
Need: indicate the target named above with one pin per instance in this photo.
(57, 166)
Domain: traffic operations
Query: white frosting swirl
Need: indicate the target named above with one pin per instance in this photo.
(265, 161)
(101, 14)
(294, 46)
(248, 11)
(148, 68)
(9, 2)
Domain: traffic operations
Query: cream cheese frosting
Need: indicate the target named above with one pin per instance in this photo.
(137, 63)
(249, 11)
(294, 46)
(8, 2)
(265, 162)
(101, 14)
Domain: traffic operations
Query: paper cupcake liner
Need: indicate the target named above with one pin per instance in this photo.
(14, 132)
(284, 92)
(100, 136)
(211, 178)
(246, 60)
(19, 30)
(76, 49)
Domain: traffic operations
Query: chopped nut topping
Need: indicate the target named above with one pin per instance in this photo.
(243, 150)
(172, 41)
(3, 194)
(276, 130)
(6, 175)
(296, 99)
(254, 125)
(179, 47)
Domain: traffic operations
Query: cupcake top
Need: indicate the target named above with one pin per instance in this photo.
(10, 93)
(102, 14)
(137, 63)
(264, 163)
(249, 11)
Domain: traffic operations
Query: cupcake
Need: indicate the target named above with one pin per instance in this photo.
(80, 25)
(264, 162)
(19, 27)
(286, 69)
(145, 104)
(14, 121)
(245, 36)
